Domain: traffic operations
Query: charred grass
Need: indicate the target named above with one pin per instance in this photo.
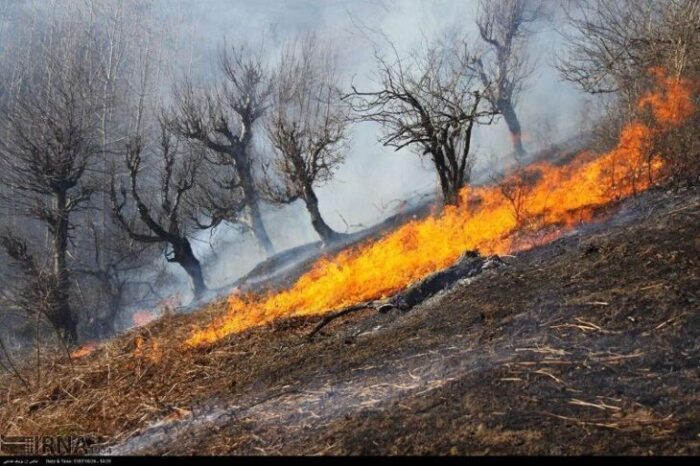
(587, 345)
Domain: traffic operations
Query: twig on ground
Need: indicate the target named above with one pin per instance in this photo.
(345, 311)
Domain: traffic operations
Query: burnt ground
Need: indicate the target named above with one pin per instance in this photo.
(587, 345)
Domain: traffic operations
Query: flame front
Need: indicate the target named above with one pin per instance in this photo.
(557, 198)
(84, 350)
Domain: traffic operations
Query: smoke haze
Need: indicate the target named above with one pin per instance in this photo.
(362, 192)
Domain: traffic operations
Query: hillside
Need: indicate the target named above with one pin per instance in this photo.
(586, 345)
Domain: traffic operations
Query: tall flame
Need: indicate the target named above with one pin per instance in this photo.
(556, 199)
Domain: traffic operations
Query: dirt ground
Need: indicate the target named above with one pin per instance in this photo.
(587, 345)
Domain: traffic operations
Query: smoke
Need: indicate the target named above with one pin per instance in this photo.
(373, 178)
(370, 185)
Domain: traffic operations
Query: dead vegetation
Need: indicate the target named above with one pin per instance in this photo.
(593, 336)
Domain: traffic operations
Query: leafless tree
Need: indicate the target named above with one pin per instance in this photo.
(48, 145)
(517, 188)
(612, 47)
(612, 43)
(166, 216)
(33, 292)
(109, 44)
(307, 126)
(430, 102)
(109, 268)
(223, 121)
(505, 27)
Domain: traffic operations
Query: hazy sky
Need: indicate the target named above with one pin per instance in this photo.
(372, 176)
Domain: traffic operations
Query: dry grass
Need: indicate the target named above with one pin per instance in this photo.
(557, 369)
(126, 383)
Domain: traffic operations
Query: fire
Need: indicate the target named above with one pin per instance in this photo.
(147, 349)
(164, 307)
(552, 202)
(84, 350)
(672, 106)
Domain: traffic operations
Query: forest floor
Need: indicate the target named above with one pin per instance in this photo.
(587, 345)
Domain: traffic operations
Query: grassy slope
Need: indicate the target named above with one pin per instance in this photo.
(587, 345)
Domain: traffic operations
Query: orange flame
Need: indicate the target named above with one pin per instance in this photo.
(147, 349)
(674, 104)
(558, 199)
(84, 350)
(164, 307)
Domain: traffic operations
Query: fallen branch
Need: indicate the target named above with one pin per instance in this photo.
(345, 311)
(468, 265)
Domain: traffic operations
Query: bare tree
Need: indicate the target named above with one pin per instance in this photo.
(517, 188)
(504, 25)
(431, 103)
(47, 149)
(109, 269)
(168, 215)
(615, 49)
(223, 120)
(34, 289)
(307, 126)
(612, 43)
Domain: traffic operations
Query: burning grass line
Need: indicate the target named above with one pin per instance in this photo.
(389, 264)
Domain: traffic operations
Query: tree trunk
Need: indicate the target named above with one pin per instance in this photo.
(61, 312)
(326, 233)
(513, 123)
(450, 175)
(187, 260)
(258, 227)
(451, 186)
(450, 195)
(253, 209)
